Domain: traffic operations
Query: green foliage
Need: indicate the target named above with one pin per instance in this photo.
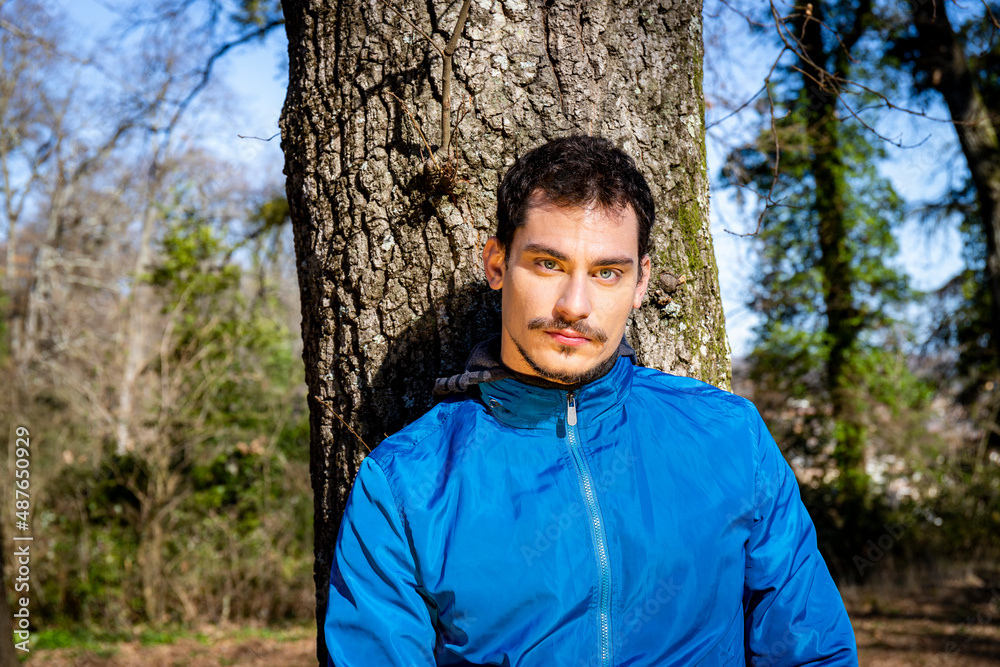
(90, 548)
(156, 637)
(258, 13)
(233, 355)
(75, 638)
(272, 213)
(226, 475)
(832, 357)
(192, 262)
(789, 289)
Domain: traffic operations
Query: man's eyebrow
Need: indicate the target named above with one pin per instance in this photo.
(623, 260)
(539, 249)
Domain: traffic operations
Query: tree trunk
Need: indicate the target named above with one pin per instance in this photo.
(388, 241)
(942, 59)
(136, 324)
(843, 322)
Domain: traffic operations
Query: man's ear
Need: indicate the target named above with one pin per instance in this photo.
(494, 263)
(640, 288)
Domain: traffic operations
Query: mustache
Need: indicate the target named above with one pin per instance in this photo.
(580, 327)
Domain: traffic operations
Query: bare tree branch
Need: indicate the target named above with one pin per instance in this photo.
(417, 127)
(415, 27)
(206, 73)
(449, 51)
(989, 12)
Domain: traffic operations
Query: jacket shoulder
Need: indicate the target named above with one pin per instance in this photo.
(692, 401)
(686, 389)
(427, 430)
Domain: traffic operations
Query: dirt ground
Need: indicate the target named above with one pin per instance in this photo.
(215, 647)
(947, 620)
(929, 621)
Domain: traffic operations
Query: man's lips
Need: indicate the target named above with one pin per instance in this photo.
(568, 337)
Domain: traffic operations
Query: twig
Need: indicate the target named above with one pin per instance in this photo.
(750, 21)
(414, 26)
(835, 83)
(777, 150)
(737, 110)
(446, 54)
(913, 112)
(242, 136)
(21, 33)
(206, 73)
(993, 18)
(417, 127)
(449, 51)
(462, 112)
(334, 413)
(768, 201)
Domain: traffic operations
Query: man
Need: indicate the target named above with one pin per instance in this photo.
(571, 508)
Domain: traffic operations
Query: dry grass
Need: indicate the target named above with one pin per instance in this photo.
(214, 648)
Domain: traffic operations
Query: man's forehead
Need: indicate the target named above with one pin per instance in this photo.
(549, 224)
(541, 201)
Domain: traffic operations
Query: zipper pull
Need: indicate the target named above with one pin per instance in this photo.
(570, 409)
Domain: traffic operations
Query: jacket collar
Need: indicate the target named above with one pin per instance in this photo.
(518, 404)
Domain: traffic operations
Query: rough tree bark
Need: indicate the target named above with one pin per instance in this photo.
(388, 244)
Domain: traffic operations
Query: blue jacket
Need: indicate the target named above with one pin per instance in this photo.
(642, 520)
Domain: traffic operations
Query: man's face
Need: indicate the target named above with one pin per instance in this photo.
(569, 283)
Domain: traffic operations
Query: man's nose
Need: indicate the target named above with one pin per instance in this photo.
(574, 302)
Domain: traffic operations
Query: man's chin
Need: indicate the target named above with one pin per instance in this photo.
(553, 366)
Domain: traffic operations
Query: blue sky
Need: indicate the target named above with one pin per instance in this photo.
(249, 82)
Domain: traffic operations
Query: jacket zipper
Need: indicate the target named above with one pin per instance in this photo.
(603, 562)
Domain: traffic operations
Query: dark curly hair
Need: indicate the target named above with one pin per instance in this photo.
(577, 170)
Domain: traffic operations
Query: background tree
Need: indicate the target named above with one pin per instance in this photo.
(828, 298)
(953, 55)
(960, 66)
(389, 226)
(150, 340)
(834, 308)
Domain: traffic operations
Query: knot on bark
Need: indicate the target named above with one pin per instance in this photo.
(439, 177)
(668, 285)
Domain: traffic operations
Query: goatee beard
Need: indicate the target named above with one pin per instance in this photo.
(569, 379)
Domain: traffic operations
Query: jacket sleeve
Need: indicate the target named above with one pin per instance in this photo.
(375, 615)
(794, 613)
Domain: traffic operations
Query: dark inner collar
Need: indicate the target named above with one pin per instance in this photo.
(534, 380)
